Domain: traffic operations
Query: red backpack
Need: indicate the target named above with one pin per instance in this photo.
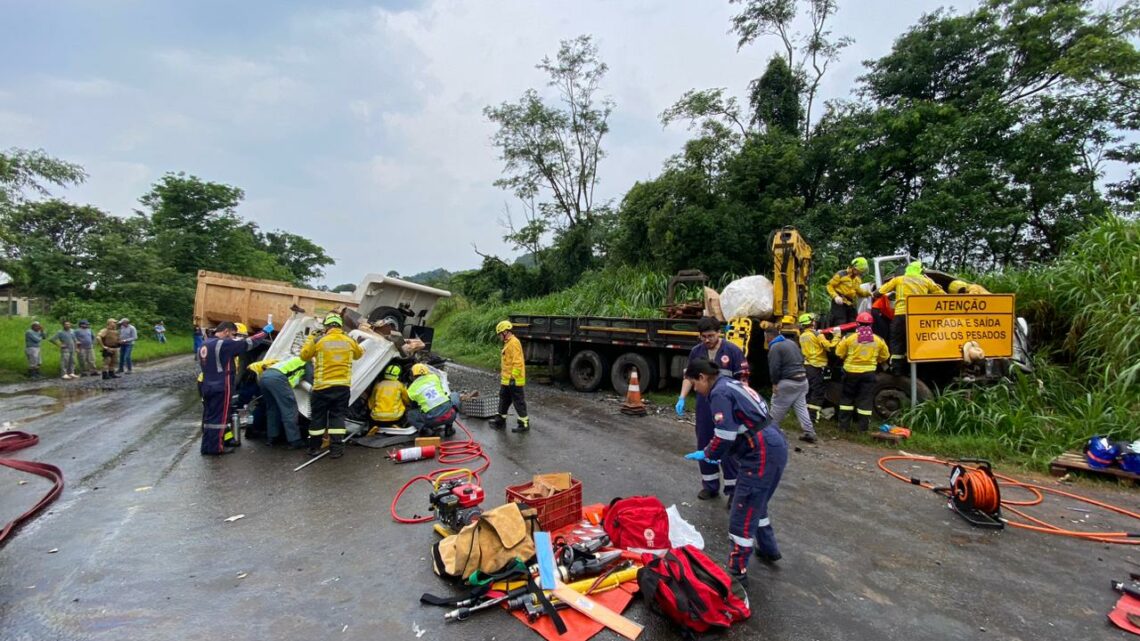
(691, 590)
(637, 523)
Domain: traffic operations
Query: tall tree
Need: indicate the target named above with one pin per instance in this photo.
(22, 170)
(304, 259)
(553, 149)
(808, 54)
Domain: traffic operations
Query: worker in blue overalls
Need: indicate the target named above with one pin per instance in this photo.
(730, 361)
(216, 360)
(744, 432)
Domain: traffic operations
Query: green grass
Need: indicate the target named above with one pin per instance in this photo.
(465, 332)
(1084, 312)
(13, 365)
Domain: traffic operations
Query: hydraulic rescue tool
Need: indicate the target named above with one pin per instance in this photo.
(455, 499)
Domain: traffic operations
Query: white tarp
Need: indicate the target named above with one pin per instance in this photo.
(748, 296)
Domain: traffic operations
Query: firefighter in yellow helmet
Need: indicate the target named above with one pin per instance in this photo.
(389, 401)
(913, 281)
(862, 353)
(332, 353)
(815, 347)
(845, 289)
(432, 409)
(962, 287)
(512, 380)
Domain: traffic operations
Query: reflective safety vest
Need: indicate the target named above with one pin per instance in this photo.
(427, 392)
(389, 400)
(904, 286)
(814, 346)
(859, 358)
(293, 368)
(333, 354)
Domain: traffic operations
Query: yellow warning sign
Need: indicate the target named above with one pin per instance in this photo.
(937, 326)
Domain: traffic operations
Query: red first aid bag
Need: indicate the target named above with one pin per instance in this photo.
(637, 523)
(691, 590)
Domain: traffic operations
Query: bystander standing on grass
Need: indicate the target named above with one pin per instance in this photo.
(85, 348)
(33, 339)
(64, 339)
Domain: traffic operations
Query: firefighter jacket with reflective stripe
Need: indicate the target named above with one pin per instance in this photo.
(815, 346)
(332, 356)
(389, 400)
(904, 286)
(513, 367)
(862, 357)
(427, 393)
(847, 285)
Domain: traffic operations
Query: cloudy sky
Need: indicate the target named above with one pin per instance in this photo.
(359, 124)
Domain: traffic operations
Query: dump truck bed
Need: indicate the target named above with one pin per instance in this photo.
(225, 297)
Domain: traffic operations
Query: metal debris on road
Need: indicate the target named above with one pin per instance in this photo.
(235, 517)
(53, 550)
(144, 488)
(242, 575)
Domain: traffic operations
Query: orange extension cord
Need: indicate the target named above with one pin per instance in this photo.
(982, 490)
(452, 453)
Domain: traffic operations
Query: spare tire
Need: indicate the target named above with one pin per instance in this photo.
(587, 370)
(624, 364)
(892, 395)
(380, 313)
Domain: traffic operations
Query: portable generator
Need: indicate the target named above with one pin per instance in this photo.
(455, 499)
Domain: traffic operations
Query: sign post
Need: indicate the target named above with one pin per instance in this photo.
(939, 325)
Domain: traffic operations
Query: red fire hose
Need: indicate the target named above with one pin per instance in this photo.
(11, 442)
(452, 453)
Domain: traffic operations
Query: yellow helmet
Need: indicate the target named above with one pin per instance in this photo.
(419, 369)
(333, 319)
(787, 321)
(241, 329)
(392, 372)
(503, 326)
(859, 263)
(806, 319)
(957, 287)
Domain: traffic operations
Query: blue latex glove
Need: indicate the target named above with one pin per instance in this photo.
(680, 406)
(699, 455)
(268, 329)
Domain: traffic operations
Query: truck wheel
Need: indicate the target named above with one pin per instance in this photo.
(587, 370)
(624, 364)
(892, 395)
(380, 313)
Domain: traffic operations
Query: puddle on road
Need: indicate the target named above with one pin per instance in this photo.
(22, 407)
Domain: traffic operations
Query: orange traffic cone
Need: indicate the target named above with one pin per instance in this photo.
(633, 405)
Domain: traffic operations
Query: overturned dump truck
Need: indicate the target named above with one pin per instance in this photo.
(297, 313)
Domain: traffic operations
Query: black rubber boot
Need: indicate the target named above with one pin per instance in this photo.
(105, 376)
(521, 425)
(741, 578)
(499, 422)
(314, 445)
(336, 447)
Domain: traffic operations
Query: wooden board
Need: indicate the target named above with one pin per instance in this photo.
(597, 611)
(1075, 461)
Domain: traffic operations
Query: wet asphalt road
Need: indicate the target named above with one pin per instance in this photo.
(145, 552)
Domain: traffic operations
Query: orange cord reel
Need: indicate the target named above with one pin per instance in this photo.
(974, 494)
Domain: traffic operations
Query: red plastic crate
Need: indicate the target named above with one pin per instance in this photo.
(556, 511)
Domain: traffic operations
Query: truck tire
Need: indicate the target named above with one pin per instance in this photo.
(892, 395)
(380, 313)
(587, 370)
(624, 364)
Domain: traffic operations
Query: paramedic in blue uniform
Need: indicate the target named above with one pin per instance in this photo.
(729, 359)
(216, 359)
(743, 431)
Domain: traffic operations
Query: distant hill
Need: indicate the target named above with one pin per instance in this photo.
(428, 278)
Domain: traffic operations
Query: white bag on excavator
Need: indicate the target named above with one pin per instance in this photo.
(748, 296)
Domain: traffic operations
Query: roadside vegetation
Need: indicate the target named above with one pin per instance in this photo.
(13, 365)
(1084, 311)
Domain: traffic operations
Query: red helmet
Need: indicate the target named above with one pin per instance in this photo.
(864, 318)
